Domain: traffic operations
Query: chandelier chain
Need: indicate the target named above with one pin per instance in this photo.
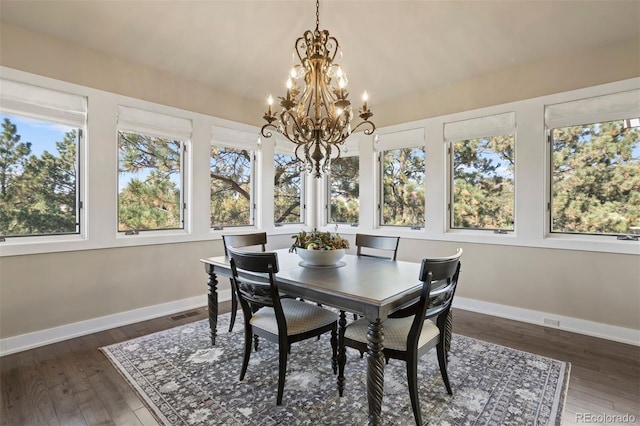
(317, 15)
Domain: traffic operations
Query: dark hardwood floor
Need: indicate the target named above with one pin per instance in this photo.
(73, 383)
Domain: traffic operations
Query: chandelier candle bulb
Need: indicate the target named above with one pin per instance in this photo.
(269, 116)
(289, 85)
(316, 116)
(365, 98)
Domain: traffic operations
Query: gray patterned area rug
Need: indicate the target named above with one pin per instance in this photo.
(186, 381)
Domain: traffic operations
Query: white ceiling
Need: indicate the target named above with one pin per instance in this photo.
(390, 47)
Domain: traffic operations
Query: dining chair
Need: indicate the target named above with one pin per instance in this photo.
(378, 243)
(241, 240)
(414, 330)
(280, 320)
(374, 246)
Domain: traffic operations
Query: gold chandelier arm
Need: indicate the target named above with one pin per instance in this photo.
(295, 132)
(329, 135)
(300, 44)
(328, 99)
(369, 131)
(306, 160)
(335, 49)
(264, 132)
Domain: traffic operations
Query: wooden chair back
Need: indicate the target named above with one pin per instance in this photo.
(259, 290)
(444, 272)
(244, 240)
(377, 242)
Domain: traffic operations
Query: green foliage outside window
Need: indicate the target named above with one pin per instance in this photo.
(595, 183)
(483, 183)
(403, 182)
(149, 179)
(37, 190)
(231, 174)
(287, 189)
(344, 190)
(596, 178)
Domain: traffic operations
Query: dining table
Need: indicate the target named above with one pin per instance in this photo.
(371, 287)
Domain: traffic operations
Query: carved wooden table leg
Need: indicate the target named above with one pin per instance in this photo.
(212, 299)
(334, 350)
(342, 352)
(375, 371)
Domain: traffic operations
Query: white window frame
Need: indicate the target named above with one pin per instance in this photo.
(99, 185)
(239, 140)
(350, 148)
(284, 147)
(160, 125)
(34, 101)
(487, 126)
(613, 106)
(412, 138)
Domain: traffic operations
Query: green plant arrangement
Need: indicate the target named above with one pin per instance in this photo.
(317, 240)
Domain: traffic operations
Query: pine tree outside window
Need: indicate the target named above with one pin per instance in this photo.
(595, 165)
(402, 178)
(40, 177)
(344, 190)
(149, 183)
(288, 190)
(231, 168)
(343, 185)
(482, 185)
(151, 175)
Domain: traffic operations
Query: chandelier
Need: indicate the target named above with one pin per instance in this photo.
(317, 116)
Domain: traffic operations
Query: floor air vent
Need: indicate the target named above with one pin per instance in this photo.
(185, 315)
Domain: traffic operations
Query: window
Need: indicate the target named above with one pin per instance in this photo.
(39, 161)
(482, 172)
(343, 186)
(402, 171)
(150, 171)
(595, 165)
(231, 171)
(288, 190)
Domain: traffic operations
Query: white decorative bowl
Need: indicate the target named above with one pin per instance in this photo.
(320, 257)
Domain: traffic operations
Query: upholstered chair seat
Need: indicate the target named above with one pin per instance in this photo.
(301, 317)
(396, 333)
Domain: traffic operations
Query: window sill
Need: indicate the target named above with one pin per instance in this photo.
(151, 234)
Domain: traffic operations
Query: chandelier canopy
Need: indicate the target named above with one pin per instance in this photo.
(317, 116)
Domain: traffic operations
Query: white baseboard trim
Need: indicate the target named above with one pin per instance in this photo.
(575, 325)
(36, 339)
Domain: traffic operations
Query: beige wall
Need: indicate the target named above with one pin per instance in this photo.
(592, 286)
(49, 290)
(31, 52)
(42, 291)
(584, 69)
